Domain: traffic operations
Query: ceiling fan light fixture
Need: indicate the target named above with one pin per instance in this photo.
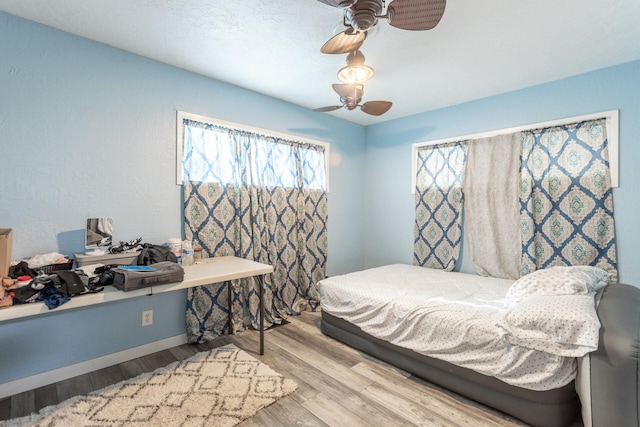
(355, 74)
(356, 71)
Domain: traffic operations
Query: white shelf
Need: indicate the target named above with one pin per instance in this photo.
(210, 270)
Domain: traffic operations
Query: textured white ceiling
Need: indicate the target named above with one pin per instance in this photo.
(480, 48)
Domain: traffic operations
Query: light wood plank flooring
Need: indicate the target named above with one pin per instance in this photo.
(337, 385)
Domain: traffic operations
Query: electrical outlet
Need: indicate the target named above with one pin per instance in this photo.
(147, 317)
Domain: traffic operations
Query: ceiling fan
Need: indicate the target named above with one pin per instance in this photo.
(360, 15)
(350, 97)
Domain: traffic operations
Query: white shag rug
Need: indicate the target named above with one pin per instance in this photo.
(220, 387)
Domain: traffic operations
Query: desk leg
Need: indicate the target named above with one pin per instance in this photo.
(230, 302)
(261, 283)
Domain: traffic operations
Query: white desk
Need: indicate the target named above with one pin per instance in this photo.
(222, 269)
(210, 270)
(216, 270)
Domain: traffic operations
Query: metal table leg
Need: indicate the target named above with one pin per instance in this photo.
(261, 283)
(230, 305)
(260, 280)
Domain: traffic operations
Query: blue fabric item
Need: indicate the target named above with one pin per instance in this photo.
(52, 298)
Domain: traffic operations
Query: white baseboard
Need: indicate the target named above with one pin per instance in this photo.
(50, 377)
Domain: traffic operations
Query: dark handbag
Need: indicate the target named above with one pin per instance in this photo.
(152, 254)
(69, 283)
(24, 294)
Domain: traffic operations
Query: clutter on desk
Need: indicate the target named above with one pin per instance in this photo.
(41, 260)
(6, 300)
(53, 289)
(5, 250)
(98, 233)
(24, 280)
(197, 253)
(187, 253)
(125, 258)
(175, 245)
(49, 277)
(45, 277)
(127, 279)
(134, 245)
(162, 268)
(151, 254)
(124, 253)
(40, 264)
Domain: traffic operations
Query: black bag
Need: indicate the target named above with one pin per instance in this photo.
(21, 269)
(24, 294)
(152, 254)
(69, 283)
(162, 272)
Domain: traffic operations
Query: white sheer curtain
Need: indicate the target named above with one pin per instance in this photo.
(492, 206)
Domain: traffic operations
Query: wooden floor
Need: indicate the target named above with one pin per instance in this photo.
(337, 386)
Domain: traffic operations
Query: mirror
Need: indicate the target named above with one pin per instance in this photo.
(99, 233)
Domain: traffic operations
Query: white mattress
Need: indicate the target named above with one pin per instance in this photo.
(444, 315)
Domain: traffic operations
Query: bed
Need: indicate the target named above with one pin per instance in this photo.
(469, 334)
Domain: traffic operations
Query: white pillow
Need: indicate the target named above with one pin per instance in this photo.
(575, 280)
(564, 325)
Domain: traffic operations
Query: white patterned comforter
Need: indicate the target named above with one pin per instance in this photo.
(449, 316)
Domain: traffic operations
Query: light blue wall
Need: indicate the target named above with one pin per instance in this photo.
(89, 130)
(389, 205)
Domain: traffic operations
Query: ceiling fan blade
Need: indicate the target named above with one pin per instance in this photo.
(415, 15)
(350, 92)
(376, 108)
(344, 42)
(338, 3)
(325, 109)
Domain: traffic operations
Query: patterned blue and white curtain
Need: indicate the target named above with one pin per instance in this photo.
(566, 198)
(439, 200)
(260, 198)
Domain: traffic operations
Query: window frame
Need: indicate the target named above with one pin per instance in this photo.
(611, 116)
(181, 115)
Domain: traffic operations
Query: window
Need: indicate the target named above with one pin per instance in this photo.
(208, 151)
(558, 171)
(258, 195)
(611, 118)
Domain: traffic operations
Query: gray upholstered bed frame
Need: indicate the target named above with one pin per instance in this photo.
(614, 370)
